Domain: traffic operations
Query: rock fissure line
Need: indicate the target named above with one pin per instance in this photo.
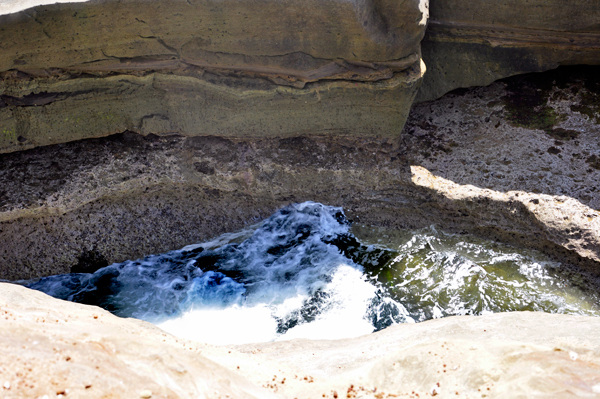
(507, 36)
(43, 98)
(38, 22)
(335, 70)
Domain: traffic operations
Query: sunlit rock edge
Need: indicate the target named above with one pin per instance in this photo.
(52, 347)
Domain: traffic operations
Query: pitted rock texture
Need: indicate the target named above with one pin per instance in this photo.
(236, 68)
(52, 347)
(530, 142)
(473, 44)
(467, 163)
(536, 133)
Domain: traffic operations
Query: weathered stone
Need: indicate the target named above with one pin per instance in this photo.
(465, 163)
(237, 68)
(473, 44)
(526, 142)
(107, 32)
(208, 105)
(52, 347)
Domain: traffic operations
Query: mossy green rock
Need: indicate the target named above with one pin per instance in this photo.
(233, 68)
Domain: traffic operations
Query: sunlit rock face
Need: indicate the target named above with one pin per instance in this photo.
(52, 347)
(529, 142)
(237, 68)
(200, 118)
(475, 43)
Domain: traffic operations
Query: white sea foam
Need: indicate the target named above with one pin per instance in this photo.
(345, 317)
(302, 274)
(219, 326)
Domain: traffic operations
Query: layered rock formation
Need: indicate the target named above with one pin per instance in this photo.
(236, 68)
(465, 163)
(134, 127)
(53, 348)
(473, 44)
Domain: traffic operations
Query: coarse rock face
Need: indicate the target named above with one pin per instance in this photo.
(468, 163)
(475, 43)
(529, 142)
(235, 68)
(52, 347)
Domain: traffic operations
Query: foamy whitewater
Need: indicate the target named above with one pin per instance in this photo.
(302, 274)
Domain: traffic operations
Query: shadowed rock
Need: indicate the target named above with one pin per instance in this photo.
(475, 43)
(237, 68)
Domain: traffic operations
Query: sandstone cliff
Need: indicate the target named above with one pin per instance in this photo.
(134, 127)
(236, 68)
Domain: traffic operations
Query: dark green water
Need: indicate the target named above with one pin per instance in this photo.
(306, 272)
(434, 274)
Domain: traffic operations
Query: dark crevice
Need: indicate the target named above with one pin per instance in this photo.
(89, 262)
(40, 99)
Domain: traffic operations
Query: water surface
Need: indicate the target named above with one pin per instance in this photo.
(306, 272)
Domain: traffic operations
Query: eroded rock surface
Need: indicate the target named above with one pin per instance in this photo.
(52, 347)
(59, 348)
(465, 163)
(70, 71)
(529, 142)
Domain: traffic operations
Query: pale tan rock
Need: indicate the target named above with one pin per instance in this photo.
(51, 346)
(515, 355)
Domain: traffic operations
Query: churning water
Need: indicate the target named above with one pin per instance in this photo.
(303, 273)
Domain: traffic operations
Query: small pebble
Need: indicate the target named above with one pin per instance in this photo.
(146, 394)
(6, 385)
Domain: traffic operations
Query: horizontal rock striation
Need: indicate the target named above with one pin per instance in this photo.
(464, 164)
(473, 44)
(134, 127)
(236, 68)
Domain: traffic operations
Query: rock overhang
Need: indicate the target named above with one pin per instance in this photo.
(235, 68)
(474, 44)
